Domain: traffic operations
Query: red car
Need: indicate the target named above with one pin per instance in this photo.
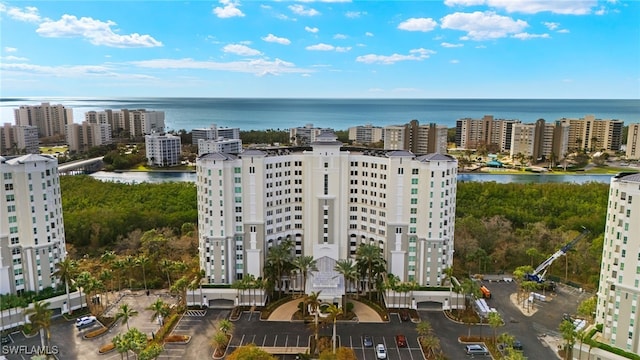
(401, 340)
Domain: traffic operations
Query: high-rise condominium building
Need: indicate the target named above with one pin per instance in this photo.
(15, 140)
(365, 135)
(633, 142)
(82, 137)
(303, 136)
(327, 201)
(49, 119)
(493, 134)
(134, 122)
(619, 289)
(31, 224)
(163, 149)
(591, 134)
(419, 139)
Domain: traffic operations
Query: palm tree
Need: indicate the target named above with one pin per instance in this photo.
(65, 272)
(129, 264)
(568, 332)
(304, 265)
(107, 275)
(424, 328)
(160, 310)
(125, 312)
(334, 312)
(368, 257)
(279, 260)
(121, 345)
(448, 273)
(348, 269)
(431, 343)
(165, 267)
(142, 261)
(118, 266)
(495, 320)
(226, 326)
(313, 301)
(40, 316)
(83, 280)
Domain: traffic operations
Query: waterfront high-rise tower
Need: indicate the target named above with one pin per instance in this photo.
(32, 237)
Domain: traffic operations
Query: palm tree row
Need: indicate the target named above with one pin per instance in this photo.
(367, 272)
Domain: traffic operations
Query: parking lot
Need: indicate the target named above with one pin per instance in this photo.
(249, 329)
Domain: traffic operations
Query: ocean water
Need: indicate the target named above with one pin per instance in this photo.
(339, 114)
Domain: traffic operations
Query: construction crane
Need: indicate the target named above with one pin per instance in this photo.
(541, 271)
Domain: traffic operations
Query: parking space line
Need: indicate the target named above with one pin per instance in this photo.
(242, 340)
(275, 340)
(264, 340)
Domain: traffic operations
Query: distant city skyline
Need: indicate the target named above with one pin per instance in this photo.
(580, 49)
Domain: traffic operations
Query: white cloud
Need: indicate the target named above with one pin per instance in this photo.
(368, 33)
(418, 24)
(339, 36)
(343, 48)
(564, 31)
(13, 58)
(96, 31)
(355, 14)
(454, 61)
(573, 7)
(274, 39)
(10, 49)
(601, 11)
(450, 45)
(527, 36)
(482, 25)
(463, 2)
(76, 71)
(321, 47)
(551, 25)
(267, 7)
(28, 14)
(228, 10)
(311, 29)
(302, 11)
(414, 55)
(241, 50)
(305, 75)
(258, 67)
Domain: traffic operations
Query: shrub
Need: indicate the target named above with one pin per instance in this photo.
(177, 338)
(106, 348)
(96, 333)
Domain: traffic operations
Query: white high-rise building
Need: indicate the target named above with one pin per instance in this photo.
(229, 146)
(327, 201)
(619, 290)
(163, 149)
(31, 224)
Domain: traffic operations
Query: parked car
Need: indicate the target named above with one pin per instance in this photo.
(404, 315)
(517, 345)
(367, 341)
(476, 349)
(381, 352)
(85, 321)
(5, 339)
(401, 340)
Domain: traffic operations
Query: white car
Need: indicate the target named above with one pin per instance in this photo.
(85, 321)
(381, 352)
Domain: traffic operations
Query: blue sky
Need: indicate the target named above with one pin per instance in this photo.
(321, 49)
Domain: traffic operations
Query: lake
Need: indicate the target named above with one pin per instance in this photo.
(157, 177)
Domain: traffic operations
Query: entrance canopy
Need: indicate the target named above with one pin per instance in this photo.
(326, 280)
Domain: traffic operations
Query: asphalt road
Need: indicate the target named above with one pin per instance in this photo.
(68, 343)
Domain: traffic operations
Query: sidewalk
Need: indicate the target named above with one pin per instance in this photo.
(363, 312)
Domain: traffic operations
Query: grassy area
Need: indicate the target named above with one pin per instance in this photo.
(51, 150)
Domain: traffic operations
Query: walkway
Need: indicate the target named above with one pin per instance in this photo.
(364, 313)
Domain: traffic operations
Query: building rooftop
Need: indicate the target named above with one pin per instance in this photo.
(628, 176)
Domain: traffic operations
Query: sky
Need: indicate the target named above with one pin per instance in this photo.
(545, 49)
